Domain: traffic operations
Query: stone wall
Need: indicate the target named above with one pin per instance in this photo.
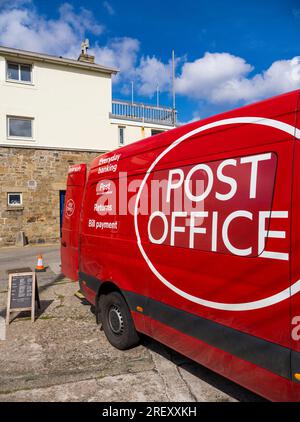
(39, 175)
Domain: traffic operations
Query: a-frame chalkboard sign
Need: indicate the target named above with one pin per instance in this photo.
(22, 294)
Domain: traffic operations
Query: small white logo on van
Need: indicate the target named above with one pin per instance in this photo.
(70, 207)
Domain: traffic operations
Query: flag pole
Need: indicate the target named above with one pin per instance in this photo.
(173, 87)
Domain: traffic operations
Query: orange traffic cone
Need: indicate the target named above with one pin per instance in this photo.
(40, 267)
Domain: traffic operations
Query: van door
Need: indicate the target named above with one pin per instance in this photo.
(71, 221)
(241, 292)
(295, 273)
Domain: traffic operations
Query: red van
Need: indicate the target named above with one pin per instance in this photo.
(192, 237)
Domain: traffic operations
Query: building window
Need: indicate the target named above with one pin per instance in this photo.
(121, 135)
(14, 199)
(19, 127)
(18, 72)
(156, 132)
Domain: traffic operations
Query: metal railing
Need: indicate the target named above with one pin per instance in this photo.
(143, 113)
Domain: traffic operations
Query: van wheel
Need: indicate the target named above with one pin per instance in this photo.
(117, 322)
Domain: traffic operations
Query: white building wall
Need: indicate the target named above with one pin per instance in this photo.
(70, 107)
(135, 131)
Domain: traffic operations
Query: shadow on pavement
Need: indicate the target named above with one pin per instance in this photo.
(56, 279)
(212, 378)
(44, 304)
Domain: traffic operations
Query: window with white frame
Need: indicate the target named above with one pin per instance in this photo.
(19, 72)
(121, 135)
(14, 199)
(19, 127)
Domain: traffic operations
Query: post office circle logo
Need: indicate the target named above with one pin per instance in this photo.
(245, 306)
(70, 207)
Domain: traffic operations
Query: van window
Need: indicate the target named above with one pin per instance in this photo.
(220, 206)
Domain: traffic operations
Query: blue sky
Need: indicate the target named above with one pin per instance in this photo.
(229, 53)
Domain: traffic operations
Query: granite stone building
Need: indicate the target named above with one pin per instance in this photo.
(55, 112)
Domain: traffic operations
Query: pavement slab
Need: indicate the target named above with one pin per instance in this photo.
(64, 356)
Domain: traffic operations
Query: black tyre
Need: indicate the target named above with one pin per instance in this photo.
(117, 322)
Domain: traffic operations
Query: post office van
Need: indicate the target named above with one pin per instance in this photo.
(192, 237)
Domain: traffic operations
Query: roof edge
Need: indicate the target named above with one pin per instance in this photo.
(24, 54)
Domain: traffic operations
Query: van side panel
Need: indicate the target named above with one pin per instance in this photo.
(108, 248)
(226, 278)
(295, 273)
(71, 221)
(251, 346)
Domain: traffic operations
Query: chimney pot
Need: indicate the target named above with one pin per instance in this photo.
(88, 58)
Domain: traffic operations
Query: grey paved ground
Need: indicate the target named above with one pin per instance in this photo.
(11, 258)
(64, 356)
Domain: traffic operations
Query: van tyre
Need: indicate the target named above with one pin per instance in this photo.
(117, 322)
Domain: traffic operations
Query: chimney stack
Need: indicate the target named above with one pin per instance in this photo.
(84, 56)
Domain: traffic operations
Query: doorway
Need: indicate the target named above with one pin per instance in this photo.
(62, 195)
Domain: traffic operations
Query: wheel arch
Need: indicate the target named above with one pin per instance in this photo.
(105, 288)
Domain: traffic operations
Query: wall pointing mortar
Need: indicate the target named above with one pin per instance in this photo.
(39, 217)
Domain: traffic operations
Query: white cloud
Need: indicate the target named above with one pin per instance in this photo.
(82, 21)
(10, 4)
(215, 78)
(108, 7)
(195, 117)
(151, 73)
(121, 53)
(278, 78)
(296, 13)
(21, 26)
(146, 73)
(199, 78)
(24, 28)
(224, 78)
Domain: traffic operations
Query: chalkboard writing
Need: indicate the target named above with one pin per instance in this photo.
(21, 291)
(22, 294)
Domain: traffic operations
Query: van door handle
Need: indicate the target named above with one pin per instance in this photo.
(63, 243)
